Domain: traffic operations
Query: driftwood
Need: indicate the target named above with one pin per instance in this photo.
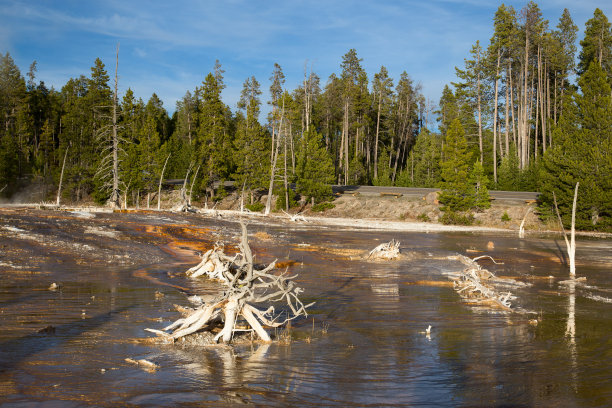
(245, 285)
(389, 250)
(476, 284)
(295, 217)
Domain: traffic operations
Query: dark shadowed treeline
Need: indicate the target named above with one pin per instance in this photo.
(530, 110)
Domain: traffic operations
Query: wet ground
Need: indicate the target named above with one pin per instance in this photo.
(363, 343)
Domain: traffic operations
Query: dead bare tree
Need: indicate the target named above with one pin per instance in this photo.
(275, 158)
(114, 198)
(244, 285)
(195, 176)
(161, 177)
(571, 243)
(59, 188)
(110, 142)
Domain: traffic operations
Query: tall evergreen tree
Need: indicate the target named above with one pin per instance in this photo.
(457, 191)
(596, 44)
(582, 153)
(315, 168)
(252, 144)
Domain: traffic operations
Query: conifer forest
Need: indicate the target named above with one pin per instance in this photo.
(530, 110)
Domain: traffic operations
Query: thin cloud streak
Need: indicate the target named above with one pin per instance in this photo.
(174, 46)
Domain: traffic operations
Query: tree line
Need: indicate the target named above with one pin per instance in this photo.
(525, 113)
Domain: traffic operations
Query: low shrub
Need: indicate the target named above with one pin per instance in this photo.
(322, 207)
(423, 217)
(255, 207)
(455, 218)
(505, 217)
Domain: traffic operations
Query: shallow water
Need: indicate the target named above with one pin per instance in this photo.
(362, 344)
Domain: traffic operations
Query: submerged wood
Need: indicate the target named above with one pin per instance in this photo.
(388, 250)
(244, 286)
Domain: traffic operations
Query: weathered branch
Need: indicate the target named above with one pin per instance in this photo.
(243, 285)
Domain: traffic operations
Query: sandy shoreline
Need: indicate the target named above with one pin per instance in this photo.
(310, 221)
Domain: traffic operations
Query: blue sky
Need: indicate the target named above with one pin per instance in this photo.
(168, 48)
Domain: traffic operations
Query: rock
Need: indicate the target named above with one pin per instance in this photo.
(432, 198)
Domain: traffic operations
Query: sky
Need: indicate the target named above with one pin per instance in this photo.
(168, 47)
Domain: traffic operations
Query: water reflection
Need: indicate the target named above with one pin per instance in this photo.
(570, 331)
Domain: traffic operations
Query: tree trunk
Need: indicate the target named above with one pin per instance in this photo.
(346, 142)
(376, 137)
(495, 119)
(273, 168)
(195, 176)
(59, 188)
(114, 197)
(161, 177)
(285, 178)
(507, 103)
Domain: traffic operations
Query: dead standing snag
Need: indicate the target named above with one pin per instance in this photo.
(245, 286)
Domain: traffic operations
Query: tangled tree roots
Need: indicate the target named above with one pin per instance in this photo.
(245, 286)
(389, 250)
(477, 285)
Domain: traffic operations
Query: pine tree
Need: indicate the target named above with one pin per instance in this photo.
(382, 90)
(252, 144)
(212, 145)
(13, 144)
(582, 153)
(480, 182)
(315, 169)
(597, 44)
(457, 192)
(384, 172)
(509, 173)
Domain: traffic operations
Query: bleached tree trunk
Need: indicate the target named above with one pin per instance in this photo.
(376, 137)
(285, 178)
(523, 117)
(114, 197)
(495, 118)
(346, 142)
(507, 106)
(273, 166)
(161, 178)
(195, 176)
(571, 243)
(478, 98)
(59, 188)
(572, 246)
